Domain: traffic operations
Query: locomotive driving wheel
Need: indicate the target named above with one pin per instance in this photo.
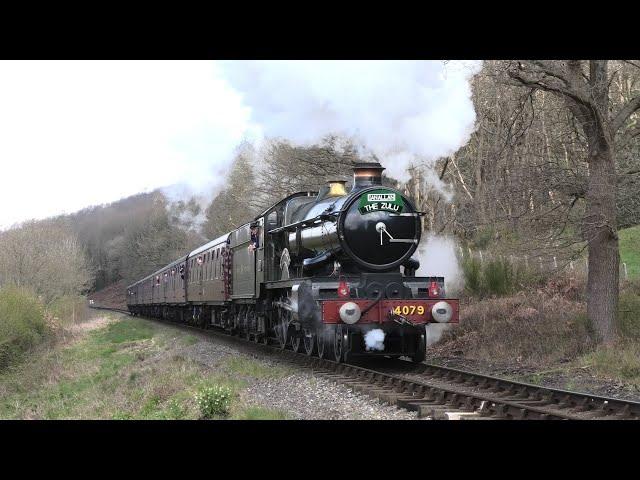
(309, 341)
(256, 334)
(421, 349)
(339, 343)
(296, 342)
(325, 341)
(282, 328)
(247, 324)
(320, 341)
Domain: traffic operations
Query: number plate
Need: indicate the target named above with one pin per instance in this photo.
(408, 310)
(417, 311)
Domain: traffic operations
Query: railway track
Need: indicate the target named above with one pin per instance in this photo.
(444, 393)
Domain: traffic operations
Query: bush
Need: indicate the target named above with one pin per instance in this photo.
(213, 401)
(498, 277)
(484, 237)
(472, 270)
(22, 322)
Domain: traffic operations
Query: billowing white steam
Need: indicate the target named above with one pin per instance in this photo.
(437, 256)
(202, 188)
(374, 339)
(403, 111)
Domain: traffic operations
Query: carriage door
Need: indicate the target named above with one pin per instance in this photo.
(259, 254)
(244, 264)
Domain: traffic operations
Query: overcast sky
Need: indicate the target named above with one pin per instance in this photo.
(80, 133)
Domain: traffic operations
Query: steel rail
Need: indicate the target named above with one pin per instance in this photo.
(443, 392)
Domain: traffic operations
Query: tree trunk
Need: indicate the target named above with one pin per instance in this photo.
(600, 228)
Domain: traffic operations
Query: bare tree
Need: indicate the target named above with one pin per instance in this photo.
(585, 87)
(235, 204)
(152, 243)
(45, 256)
(286, 168)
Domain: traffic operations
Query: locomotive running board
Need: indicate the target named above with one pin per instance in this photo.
(409, 214)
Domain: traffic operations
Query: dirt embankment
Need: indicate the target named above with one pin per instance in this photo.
(544, 336)
(113, 296)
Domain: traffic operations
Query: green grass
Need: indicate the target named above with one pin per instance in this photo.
(190, 340)
(129, 369)
(630, 250)
(533, 378)
(621, 362)
(629, 312)
(128, 330)
(246, 367)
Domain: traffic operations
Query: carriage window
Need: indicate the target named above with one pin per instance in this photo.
(272, 221)
(213, 265)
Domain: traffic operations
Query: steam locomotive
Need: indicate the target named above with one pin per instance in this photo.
(328, 273)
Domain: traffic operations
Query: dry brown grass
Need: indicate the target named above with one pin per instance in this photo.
(529, 328)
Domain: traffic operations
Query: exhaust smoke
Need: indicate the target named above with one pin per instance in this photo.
(374, 339)
(404, 112)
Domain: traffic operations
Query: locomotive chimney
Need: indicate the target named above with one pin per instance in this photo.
(367, 174)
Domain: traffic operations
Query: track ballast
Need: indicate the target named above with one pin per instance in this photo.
(447, 393)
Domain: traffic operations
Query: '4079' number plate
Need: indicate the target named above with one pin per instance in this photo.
(409, 310)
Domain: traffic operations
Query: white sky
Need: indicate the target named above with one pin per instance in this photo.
(81, 133)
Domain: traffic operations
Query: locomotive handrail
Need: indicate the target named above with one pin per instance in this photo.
(410, 214)
(332, 217)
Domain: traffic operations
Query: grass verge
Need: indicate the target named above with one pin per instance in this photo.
(629, 250)
(128, 369)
